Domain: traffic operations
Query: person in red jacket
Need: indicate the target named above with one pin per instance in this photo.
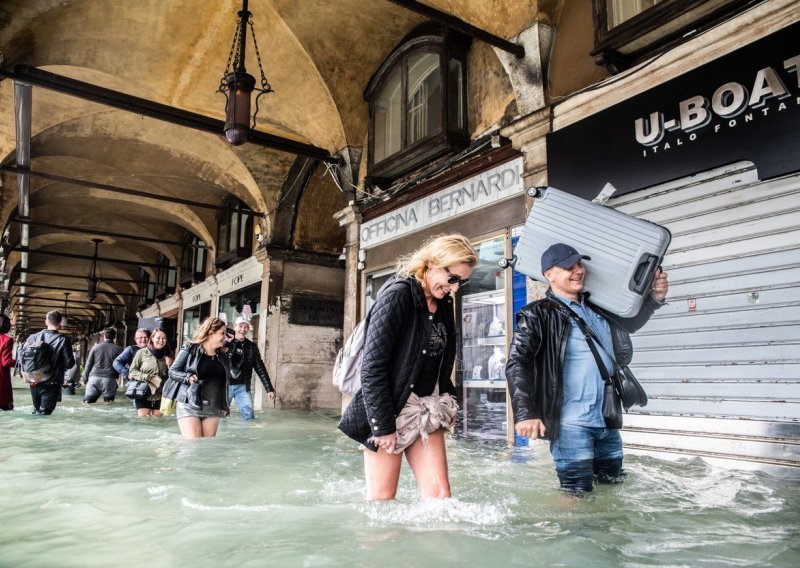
(7, 363)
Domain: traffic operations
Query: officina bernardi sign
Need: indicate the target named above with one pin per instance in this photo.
(743, 106)
(491, 186)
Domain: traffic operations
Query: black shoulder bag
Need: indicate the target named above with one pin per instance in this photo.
(612, 402)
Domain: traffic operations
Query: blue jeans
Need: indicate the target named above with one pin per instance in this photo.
(243, 401)
(582, 453)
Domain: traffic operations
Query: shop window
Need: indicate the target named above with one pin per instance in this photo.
(482, 317)
(234, 232)
(417, 103)
(147, 290)
(193, 261)
(629, 31)
(193, 317)
(242, 303)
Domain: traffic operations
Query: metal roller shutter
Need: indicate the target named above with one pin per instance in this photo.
(721, 362)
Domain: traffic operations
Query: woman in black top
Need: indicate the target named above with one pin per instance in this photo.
(202, 369)
(407, 398)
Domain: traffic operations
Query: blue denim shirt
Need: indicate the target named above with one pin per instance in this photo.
(583, 384)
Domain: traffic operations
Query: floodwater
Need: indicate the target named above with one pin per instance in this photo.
(95, 486)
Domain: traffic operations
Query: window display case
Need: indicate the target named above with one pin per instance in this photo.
(481, 369)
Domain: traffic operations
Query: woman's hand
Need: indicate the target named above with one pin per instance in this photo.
(387, 442)
(193, 379)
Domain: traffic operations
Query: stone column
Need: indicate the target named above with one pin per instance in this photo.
(528, 135)
(267, 342)
(350, 219)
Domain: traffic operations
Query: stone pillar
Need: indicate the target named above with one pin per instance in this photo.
(528, 135)
(350, 219)
(268, 338)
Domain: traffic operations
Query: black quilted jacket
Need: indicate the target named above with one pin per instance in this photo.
(397, 334)
(536, 356)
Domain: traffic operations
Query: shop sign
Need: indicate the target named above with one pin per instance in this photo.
(308, 310)
(198, 294)
(487, 188)
(743, 106)
(150, 312)
(240, 275)
(168, 304)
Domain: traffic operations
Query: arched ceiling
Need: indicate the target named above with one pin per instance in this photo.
(318, 56)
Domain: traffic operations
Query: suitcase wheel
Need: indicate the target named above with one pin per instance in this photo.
(507, 262)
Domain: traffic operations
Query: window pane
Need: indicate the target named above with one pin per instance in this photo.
(388, 109)
(618, 11)
(244, 228)
(424, 96)
(455, 99)
(374, 283)
(234, 232)
(222, 238)
(481, 372)
(200, 259)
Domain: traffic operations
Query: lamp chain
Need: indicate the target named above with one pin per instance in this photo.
(230, 55)
(265, 86)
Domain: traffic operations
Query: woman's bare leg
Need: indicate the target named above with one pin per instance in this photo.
(429, 464)
(382, 472)
(210, 426)
(191, 427)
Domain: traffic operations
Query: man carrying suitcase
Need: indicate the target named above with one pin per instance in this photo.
(555, 383)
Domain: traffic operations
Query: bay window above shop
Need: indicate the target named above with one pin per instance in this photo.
(630, 31)
(147, 290)
(234, 232)
(166, 278)
(417, 103)
(193, 261)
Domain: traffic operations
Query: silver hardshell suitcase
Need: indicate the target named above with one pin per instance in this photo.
(625, 251)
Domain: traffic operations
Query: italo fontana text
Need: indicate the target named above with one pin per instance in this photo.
(731, 104)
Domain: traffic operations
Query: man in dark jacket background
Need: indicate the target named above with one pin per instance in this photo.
(99, 376)
(555, 383)
(244, 358)
(46, 394)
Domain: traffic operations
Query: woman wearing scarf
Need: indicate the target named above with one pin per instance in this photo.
(151, 365)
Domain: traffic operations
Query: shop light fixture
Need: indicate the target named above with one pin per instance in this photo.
(237, 84)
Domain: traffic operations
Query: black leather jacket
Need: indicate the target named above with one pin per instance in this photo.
(244, 357)
(61, 348)
(536, 356)
(185, 365)
(397, 335)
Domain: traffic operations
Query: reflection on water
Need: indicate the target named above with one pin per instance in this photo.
(98, 487)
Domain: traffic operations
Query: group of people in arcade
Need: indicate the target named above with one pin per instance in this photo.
(197, 384)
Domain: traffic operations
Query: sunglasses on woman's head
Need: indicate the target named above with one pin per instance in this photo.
(455, 279)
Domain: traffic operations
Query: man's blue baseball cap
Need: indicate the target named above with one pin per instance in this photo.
(561, 255)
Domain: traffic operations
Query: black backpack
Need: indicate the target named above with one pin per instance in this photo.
(36, 360)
